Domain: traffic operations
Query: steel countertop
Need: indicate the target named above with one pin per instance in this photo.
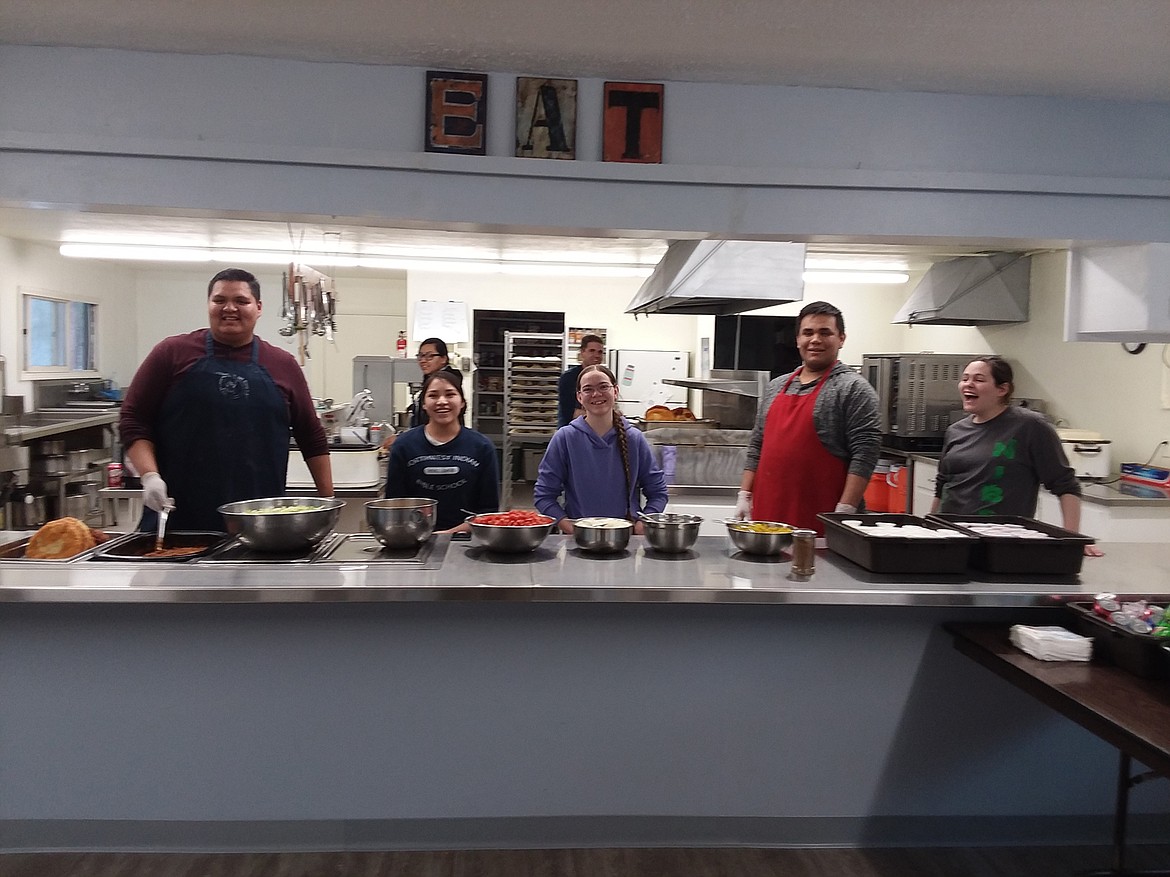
(557, 571)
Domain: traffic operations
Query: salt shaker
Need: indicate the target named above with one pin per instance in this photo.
(804, 554)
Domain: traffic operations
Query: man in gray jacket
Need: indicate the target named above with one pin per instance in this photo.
(815, 441)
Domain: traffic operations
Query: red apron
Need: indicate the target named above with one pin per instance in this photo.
(796, 478)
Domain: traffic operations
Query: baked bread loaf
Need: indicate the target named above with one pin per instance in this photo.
(659, 412)
(683, 414)
(59, 539)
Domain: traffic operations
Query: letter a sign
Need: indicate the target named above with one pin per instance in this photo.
(456, 112)
(632, 122)
(546, 118)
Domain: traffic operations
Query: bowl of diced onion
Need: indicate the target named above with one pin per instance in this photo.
(602, 535)
(282, 523)
(760, 537)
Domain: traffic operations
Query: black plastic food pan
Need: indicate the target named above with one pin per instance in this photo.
(896, 554)
(1142, 654)
(137, 546)
(1062, 554)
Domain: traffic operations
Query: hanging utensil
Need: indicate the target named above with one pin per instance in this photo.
(327, 313)
(287, 306)
(318, 290)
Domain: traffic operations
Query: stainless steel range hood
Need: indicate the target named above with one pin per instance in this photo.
(971, 291)
(722, 277)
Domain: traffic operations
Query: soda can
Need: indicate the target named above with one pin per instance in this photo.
(114, 475)
(1105, 605)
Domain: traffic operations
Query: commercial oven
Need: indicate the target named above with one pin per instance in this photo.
(918, 395)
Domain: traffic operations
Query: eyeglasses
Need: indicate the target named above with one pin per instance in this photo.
(595, 389)
(427, 357)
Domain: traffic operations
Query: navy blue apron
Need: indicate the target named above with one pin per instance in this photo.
(223, 436)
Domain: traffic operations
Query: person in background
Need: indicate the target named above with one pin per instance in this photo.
(601, 464)
(206, 418)
(995, 459)
(432, 357)
(444, 460)
(816, 437)
(592, 352)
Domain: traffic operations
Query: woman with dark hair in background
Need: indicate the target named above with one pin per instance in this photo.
(994, 461)
(444, 460)
(601, 464)
(432, 357)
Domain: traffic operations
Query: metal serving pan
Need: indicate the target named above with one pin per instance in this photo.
(16, 550)
(135, 547)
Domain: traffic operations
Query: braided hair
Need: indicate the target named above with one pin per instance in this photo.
(619, 426)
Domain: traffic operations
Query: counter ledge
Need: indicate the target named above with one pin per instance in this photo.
(559, 572)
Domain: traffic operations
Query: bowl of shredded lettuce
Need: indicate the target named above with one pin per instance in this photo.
(282, 523)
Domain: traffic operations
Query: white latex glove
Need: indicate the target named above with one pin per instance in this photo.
(154, 492)
(845, 509)
(743, 505)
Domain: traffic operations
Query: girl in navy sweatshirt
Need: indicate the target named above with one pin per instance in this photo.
(444, 460)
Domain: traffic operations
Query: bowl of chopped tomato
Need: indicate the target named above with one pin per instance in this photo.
(510, 532)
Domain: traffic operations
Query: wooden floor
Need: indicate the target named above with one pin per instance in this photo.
(918, 862)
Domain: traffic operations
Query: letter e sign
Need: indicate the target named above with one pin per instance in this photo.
(632, 122)
(456, 112)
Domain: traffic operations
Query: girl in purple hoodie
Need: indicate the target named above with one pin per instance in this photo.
(599, 462)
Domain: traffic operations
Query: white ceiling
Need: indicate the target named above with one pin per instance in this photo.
(1079, 48)
(1113, 49)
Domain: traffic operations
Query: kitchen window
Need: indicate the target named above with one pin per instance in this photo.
(59, 334)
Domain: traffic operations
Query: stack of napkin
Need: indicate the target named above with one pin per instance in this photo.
(1051, 643)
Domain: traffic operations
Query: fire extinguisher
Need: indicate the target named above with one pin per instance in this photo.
(402, 344)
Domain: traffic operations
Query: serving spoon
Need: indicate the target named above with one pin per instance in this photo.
(162, 527)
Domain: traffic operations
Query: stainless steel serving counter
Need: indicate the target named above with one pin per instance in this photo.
(549, 698)
(1114, 493)
(712, 572)
(46, 422)
(1125, 493)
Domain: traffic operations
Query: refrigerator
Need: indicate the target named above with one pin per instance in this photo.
(640, 374)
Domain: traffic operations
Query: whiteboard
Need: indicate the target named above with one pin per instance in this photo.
(441, 319)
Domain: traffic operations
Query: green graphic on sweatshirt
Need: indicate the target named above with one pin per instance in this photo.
(992, 493)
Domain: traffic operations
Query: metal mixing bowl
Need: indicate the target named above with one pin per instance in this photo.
(401, 522)
(759, 543)
(508, 540)
(262, 528)
(602, 540)
(671, 533)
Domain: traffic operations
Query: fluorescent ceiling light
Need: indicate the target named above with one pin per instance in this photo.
(854, 263)
(860, 277)
(441, 262)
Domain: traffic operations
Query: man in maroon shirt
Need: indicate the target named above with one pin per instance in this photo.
(206, 419)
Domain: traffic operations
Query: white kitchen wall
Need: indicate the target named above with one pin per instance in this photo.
(1087, 384)
(592, 302)
(372, 311)
(38, 267)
